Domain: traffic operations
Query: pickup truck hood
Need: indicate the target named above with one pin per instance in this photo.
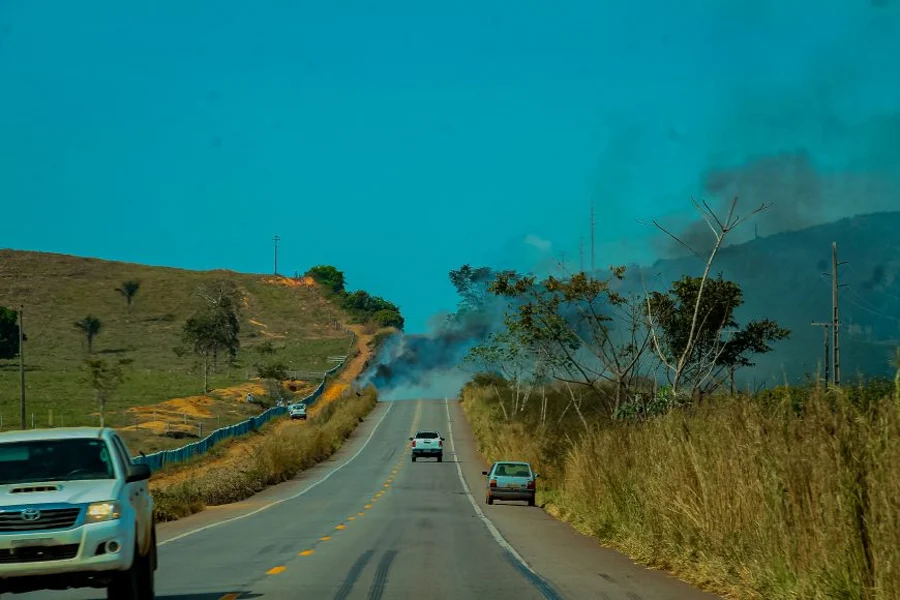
(61, 492)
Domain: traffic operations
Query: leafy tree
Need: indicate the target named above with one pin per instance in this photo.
(129, 290)
(716, 345)
(473, 286)
(214, 328)
(389, 318)
(104, 378)
(581, 331)
(9, 333)
(90, 327)
(276, 371)
(329, 277)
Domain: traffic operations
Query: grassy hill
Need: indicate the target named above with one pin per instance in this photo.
(782, 278)
(56, 290)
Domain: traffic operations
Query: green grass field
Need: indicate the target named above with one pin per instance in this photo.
(58, 290)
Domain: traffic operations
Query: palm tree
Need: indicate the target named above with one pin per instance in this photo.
(90, 326)
(129, 290)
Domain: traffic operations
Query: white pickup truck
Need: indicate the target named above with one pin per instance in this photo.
(75, 511)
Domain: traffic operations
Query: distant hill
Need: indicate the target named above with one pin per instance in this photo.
(57, 290)
(782, 278)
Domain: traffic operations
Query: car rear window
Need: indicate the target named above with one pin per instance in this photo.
(512, 470)
(426, 435)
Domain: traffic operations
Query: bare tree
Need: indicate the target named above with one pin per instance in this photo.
(720, 227)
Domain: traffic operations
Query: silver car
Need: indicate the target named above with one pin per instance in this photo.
(510, 481)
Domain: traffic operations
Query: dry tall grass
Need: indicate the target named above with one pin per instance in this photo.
(278, 459)
(796, 495)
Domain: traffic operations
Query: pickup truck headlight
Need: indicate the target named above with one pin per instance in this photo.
(103, 511)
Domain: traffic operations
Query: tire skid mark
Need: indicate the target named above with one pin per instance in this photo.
(381, 575)
(353, 575)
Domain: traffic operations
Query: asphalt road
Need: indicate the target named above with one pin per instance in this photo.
(370, 524)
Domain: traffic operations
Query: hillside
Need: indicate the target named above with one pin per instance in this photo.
(304, 329)
(782, 278)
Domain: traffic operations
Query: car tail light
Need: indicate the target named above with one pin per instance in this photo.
(414, 444)
(530, 484)
(441, 444)
(493, 483)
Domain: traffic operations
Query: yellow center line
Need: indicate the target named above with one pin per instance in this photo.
(305, 553)
(361, 514)
(276, 570)
(339, 527)
(351, 518)
(367, 506)
(324, 538)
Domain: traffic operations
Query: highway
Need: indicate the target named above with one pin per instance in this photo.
(370, 524)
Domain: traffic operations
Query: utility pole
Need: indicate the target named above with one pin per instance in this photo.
(22, 363)
(825, 327)
(835, 318)
(592, 238)
(275, 239)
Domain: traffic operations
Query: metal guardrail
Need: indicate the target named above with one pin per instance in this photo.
(158, 460)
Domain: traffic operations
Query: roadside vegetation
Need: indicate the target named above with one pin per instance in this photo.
(630, 406)
(277, 458)
(363, 307)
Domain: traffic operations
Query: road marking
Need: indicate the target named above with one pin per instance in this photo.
(341, 527)
(324, 538)
(276, 570)
(367, 507)
(351, 518)
(492, 529)
(288, 499)
(361, 514)
(306, 553)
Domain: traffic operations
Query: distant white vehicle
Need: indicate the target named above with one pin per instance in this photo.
(297, 411)
(75, 512)
(427, 443)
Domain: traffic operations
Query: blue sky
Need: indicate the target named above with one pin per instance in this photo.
(398, 140)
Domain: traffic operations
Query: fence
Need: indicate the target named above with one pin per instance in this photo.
(160, 459)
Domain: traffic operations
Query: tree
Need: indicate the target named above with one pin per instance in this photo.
(104, 378)
(581, 331)
(720, 227)
(329, 277)
(713, 345)
(90, 326)
(129, 290)
(388, 318)
(215, 327)
(473, 286)
(9, 333)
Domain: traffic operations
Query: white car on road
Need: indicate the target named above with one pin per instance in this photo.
(75, 511)
(297, 411)
(427, 443)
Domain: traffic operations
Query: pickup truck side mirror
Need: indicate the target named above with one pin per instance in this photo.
(410, 439)
(484, 472)
(536, 475)
(443, 439)
(138, 472)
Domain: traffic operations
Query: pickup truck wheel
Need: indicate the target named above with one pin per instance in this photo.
(440, 458)
(414, 458)
(137, 582)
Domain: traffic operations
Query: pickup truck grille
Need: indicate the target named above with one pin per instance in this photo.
(39, 554)
(13, 521)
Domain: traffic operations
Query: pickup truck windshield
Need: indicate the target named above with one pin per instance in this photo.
(426, 435)
(55, 460)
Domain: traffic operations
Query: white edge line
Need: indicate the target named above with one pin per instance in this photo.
(495, 533)
(289, 498)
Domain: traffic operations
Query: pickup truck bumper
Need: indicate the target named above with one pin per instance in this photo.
(81, 553)
(427, 452)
